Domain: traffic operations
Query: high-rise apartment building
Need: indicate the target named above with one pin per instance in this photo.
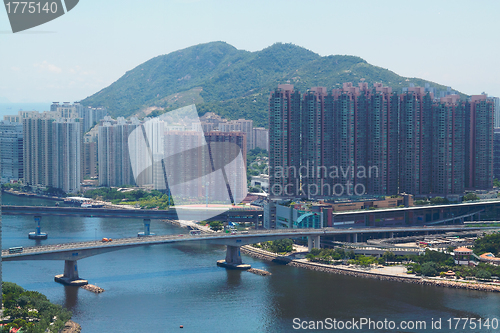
(448, 146)
(284, 141)
(115, 167)
(66, 154)
(496, 112)
(233, 168)
(260, 138)
(496, 153)
(90, 156)
(382, 141)
(183, 168)
(379, 142)
(52, 151)
(37, 147)
(90, 116)
(313, 153)
(11, 151)
(479, 141)
(415, 141)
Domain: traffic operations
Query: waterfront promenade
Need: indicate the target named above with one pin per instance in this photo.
(390, 273)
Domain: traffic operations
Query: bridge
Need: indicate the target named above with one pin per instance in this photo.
(72, 252)
(234, 214)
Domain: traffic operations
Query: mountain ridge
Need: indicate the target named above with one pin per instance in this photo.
(234, 83)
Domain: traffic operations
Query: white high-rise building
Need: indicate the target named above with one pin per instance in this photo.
(240, 125)
(66, 154)
(11, 151)
(52, 151)
(260, 138)
(115, 168)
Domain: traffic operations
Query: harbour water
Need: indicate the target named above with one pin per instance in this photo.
(158, 288)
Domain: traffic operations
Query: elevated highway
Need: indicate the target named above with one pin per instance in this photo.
(237, 214)
(72, 252)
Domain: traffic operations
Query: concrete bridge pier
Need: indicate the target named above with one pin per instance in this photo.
(146, 232)
(233, 259)
(354, 238)
(38, 234)
(256, 221)
(70, 276)
(313, 241)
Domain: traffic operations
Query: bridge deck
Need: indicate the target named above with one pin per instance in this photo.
(97, 247)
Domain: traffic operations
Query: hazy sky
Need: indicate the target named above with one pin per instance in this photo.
(454, 43)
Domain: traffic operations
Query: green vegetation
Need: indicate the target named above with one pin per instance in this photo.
(32, 310)
(439, 201)
(470, 197)
(483, 274)
(326, 256)
(55, 192)
(488, 243)
(234, 83)
(433, 263)
(421, 202)
(256, 164)
(216, 225)
(429, 269)
(145, 199)
(281, 246)
(9, 186)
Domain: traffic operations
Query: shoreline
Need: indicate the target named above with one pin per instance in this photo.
(32, 195)
(265, 255)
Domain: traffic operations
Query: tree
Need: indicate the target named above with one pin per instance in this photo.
(216, 225)
(483, 275)
(282, 245)
(439, 201)
(429, 269)
(470, 197)
(389, 256)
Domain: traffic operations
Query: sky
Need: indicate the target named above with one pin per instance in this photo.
(454, 43)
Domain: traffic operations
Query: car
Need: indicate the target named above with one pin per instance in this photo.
(181, 235)
(245, 232)
(233, 233)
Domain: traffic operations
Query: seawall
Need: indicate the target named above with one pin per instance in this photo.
(265, 255)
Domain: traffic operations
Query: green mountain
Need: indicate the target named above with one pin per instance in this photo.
(234, 83)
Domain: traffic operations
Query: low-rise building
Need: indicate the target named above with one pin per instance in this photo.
(463, 256)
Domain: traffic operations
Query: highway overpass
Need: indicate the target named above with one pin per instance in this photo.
(72, 252)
